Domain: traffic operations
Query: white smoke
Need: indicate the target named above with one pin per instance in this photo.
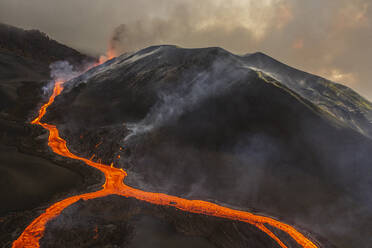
(60, 71)
(186, 97)
(64, 71)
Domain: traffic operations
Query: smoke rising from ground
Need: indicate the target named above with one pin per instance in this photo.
(59, 71)
(64, 71)
(330, 38)
(117, 37)
(186, 97)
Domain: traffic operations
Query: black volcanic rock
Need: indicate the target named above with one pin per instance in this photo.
(338, 100)
(31, 175)
(25, 57)
(208, 124)
(103, 223)
(38, 46)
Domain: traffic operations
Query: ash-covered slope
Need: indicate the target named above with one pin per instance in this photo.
(206, 124)
(338, 100)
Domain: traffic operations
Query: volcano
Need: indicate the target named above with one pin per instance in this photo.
(247, 131)
(242, 133)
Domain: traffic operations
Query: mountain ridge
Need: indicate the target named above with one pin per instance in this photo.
(202, 124)
(344, 111)
(37, 46)
(353, 110)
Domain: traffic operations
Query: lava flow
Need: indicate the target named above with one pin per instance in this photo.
(114, 185)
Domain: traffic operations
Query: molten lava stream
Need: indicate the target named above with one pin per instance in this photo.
(114, 184)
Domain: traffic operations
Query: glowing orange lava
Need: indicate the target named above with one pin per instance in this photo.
(114, 185)
(110, 54)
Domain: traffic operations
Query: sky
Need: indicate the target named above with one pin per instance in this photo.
(330, 38)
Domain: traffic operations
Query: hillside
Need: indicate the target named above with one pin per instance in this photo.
(36, 45)
(29, 176)
(208, 124)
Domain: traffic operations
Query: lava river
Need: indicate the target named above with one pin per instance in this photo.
(114, 185)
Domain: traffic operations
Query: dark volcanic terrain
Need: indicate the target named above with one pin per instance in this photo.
(30, 174)
(246, 132)
(100, 223)
(207, 124)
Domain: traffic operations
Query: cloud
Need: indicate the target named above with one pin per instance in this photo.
(317, 36)
(339, 76)
(298, 43)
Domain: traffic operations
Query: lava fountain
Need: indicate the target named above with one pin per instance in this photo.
(114, 185)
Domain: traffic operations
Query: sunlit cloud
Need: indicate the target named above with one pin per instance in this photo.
(336, 75)
(284, 15)
(353, 15)
(255, 16)
(298, 43)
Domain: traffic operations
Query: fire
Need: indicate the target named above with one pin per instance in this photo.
(96, 233)
(110, 54)
(56, 91)
(114, 184)
(98, 144)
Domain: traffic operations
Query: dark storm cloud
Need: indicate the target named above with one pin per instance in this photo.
(329, 38)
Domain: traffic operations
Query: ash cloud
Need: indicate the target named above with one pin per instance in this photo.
(330, 38)
(117, 38)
